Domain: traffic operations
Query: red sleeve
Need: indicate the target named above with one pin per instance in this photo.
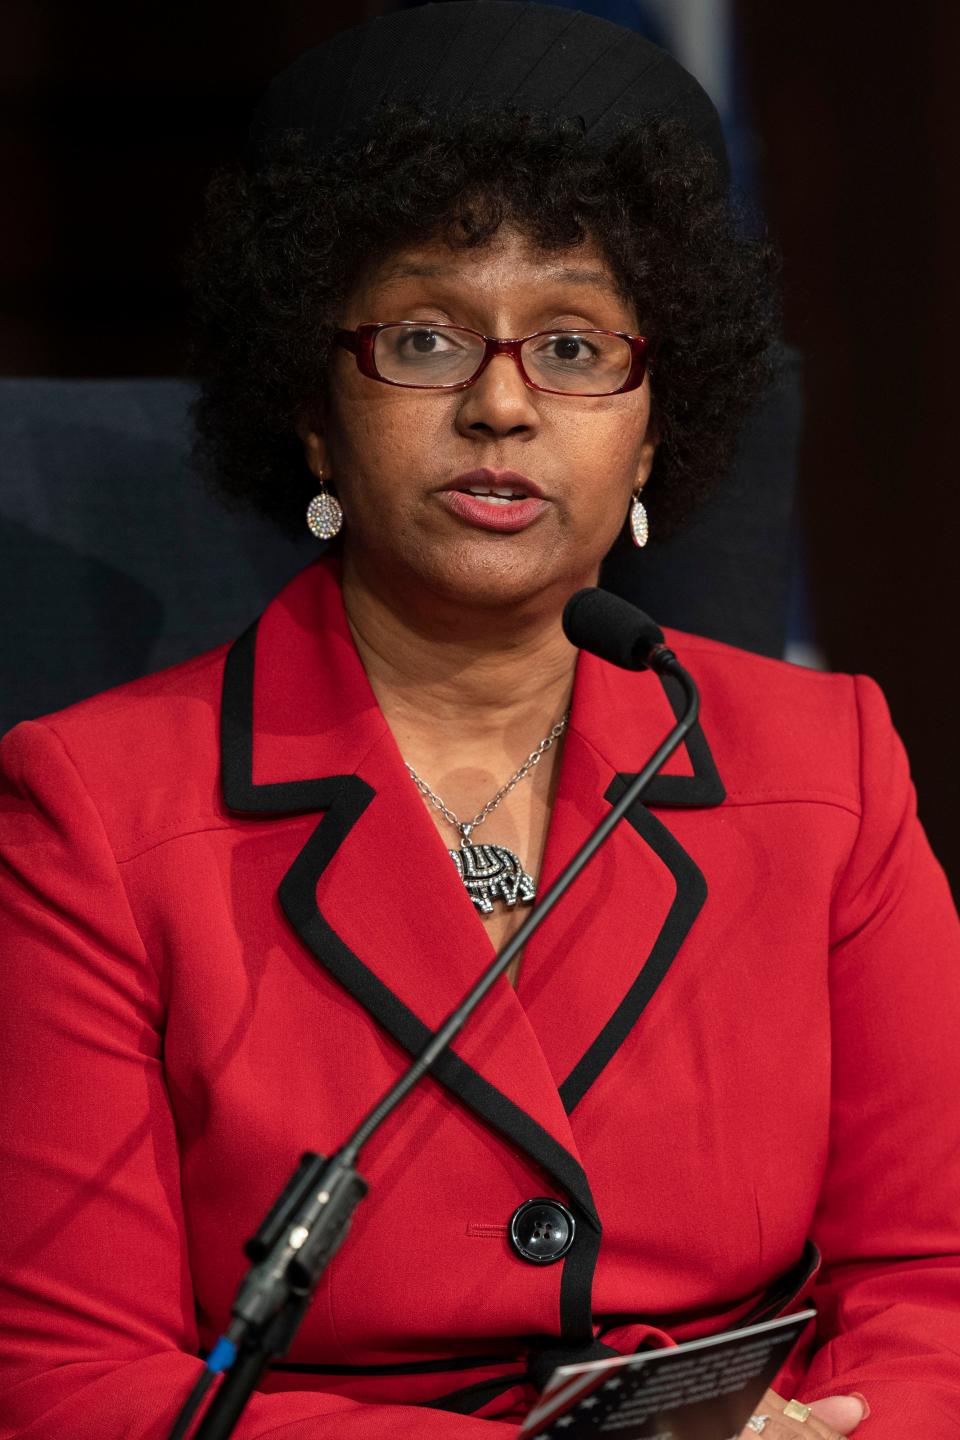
(96, 1302)
(888, 1220)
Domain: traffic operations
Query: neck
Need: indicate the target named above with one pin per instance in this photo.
(436, 665)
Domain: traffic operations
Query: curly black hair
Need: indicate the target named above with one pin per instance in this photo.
(285, 235)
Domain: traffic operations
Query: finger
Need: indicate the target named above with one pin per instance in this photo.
(781, 1427)
(818, 1423)
(842, 1412)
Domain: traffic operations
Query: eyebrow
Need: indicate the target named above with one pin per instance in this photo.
(571, 275)
(565, 274)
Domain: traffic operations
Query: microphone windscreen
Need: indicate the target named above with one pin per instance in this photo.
(610, 627)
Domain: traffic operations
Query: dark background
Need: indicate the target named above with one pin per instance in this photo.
(112, 117)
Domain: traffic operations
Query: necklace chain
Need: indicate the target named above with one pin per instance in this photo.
(465, 827)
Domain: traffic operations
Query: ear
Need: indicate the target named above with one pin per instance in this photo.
(648, 450)
(313, 441)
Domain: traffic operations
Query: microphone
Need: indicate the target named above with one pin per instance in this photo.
(311, 1217)
(610, 627)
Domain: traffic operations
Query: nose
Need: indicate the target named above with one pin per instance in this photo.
(499, 403)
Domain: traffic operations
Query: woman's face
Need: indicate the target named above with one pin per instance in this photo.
(396, 457)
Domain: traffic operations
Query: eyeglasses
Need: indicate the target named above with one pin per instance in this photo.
(450, 357)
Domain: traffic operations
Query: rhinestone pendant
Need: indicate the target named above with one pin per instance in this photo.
(639, 525)
(324, 516)
(492, 872)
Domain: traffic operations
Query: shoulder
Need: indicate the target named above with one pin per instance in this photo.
(778, 730)
(145, 755)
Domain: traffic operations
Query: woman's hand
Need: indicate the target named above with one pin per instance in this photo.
(829, 1419)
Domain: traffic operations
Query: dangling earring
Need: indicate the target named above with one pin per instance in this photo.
(639, 525)
(324, 515)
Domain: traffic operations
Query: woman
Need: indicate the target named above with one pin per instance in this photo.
(726, 1063)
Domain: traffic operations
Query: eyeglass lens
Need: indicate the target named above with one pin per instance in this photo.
(575, 362)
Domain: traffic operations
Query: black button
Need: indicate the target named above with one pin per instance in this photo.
(541, 1231)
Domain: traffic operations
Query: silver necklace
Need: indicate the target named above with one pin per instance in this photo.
(491, 872)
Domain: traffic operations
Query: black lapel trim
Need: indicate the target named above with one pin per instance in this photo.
(408, 1367)
(472, 1397)
(704, 787)
(540, 1365)
(344, 798)
(576, 1287)
(544, 1359)
(786, 1288)
(687, 904)
(297, 894)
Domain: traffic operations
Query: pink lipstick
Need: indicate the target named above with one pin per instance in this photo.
(500, 500)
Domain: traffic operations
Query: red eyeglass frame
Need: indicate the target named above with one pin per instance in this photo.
(360, 343)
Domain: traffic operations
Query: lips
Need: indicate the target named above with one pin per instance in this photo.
(504, 484)
(501, 500)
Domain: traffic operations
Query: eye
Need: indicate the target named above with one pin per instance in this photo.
(426, 354)
(568, 347)
(425, 342)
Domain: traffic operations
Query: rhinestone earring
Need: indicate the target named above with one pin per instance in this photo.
(324, 515)
(639, 524)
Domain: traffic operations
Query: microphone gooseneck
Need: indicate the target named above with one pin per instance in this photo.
(310, 1219)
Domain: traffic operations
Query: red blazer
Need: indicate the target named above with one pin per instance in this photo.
(734, 1041)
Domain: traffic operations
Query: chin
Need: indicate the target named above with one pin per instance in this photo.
(501, 572)
(415, 568)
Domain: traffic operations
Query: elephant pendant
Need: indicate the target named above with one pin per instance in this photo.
(492, 872)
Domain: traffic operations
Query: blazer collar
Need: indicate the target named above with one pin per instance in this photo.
(312, 712)
(373, 894)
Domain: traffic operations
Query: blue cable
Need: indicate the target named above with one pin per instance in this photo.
(222, 1356)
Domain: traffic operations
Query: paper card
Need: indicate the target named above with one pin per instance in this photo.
(703, 1390)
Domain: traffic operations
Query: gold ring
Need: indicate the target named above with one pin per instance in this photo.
(796, 1410)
